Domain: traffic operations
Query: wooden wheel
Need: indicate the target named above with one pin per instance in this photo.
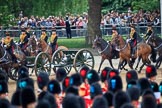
(42, 63)
(13, 74)
(59, 60)
(83, 57)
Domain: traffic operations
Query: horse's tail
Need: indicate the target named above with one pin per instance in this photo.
(153, 54)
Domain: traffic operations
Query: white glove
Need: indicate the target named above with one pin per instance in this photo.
(128, 40)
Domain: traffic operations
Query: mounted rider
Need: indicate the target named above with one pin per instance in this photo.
(114, 34)
(28, 32)
(149, 31)
(23, 39)
(133, 39)
(44, 35)
(9, 44)
(53, 40)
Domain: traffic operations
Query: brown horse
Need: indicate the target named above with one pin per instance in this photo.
(44, 47)
(105, 49)
(32, 48)
(143, 50)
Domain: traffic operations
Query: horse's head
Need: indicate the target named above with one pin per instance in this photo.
(32, 41)
(97, 42)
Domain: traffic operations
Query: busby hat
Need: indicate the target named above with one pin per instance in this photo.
(131, 75)
(60, 74)
(7, 33)
(92, 76)
(114, 28)
(134, 93)
(23, 72)
(83, 72)
(150, 71)
(53, 29)
(15, 100)
(120, 98)
(75, 79)
(27, 97)
(54, 87)
(43, 29)
(131, 83)
(143, 84)
(115, 84)
(23, 29)
(154, 86)
(100, 102)
(133, 26)
(71, 101)
(66, 83)
(109, 97)
(148, 101)
(42, 79)
(160, 88)
(73, 90)
(95, 90)
(112, 73)
(25, 82)
(3, 87)
(104, 73)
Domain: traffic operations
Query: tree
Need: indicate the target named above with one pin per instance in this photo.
(94, 20)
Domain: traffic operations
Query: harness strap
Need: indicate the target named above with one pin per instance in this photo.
(103, 50)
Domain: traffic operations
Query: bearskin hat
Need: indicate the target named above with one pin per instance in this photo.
(104, 73)
(66, 83)
(131, 83)
(43, 104)
(120, 98)
(3, 87)
(109, 97)
(27, 97)
(60, 74)
(73, 90)
(150, 71)
(15, 100)
(115, 84)
(42, 79)
(23, 72)
(100, 102)
(148, 101)
(75, 79)
(4, 103)
(83, 72)
(154, 86)
(25, 82)
(95, 90)
(54, 87)
(127, 105)
(3, 76)
(134, 93)
(92, 76)
(131, 75)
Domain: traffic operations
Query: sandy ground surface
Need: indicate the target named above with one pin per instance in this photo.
(12, 84)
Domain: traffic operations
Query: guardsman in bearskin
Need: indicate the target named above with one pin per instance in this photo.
(149, 31)
(9, 44)
(23, 40)
(53, 40)
(44, 35)
(133, 39)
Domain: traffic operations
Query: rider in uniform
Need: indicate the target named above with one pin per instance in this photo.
(149, 31)
(23, 40)
(44, 35)
(9, 44)
(114, 32)
(133, 39)
(53, 40)
(27, 32)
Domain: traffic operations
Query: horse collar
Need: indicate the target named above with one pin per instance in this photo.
(104, 49)
(158, 47)
(118, 49)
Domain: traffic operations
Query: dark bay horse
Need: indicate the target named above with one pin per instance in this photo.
(142, 52)
(156, 43)
(105, 49)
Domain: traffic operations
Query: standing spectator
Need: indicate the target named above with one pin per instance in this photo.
(68, 29)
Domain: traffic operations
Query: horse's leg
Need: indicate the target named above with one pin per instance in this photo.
(110, 61)
(139, 59)
(102, 60)
(124, 64)
(120, 65)
(144, 63)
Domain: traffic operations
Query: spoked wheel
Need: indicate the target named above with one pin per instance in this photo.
(83, 57)
(59, 60)
(13, 74)
(42, 63)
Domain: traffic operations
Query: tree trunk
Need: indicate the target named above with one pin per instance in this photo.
(94, 20)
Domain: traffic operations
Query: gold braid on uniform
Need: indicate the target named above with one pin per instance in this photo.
(131, 34)
(22, 37)
(43, 36)
(113, 35)
(7, 41)
(52, 38)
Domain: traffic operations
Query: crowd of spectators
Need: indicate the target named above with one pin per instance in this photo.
(80, 21)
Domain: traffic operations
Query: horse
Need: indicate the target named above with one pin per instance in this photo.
(156, 43)
(105, 49)
(32, 48)
(143, 50)
(44, 47)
